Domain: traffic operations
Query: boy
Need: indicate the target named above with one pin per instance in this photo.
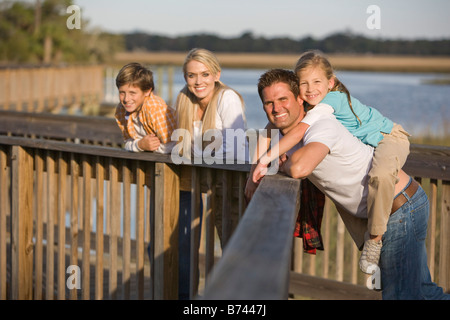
(144, 118)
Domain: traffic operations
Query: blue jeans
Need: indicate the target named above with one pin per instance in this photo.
(184, 242)
(403, 261)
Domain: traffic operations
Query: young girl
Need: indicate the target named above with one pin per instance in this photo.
(324, 93)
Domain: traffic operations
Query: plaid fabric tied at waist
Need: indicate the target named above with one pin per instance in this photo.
(309, 218)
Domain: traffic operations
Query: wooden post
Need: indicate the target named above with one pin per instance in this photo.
(22, 224)
(167, 198)
(4, 208)
(195, 231)
(444, 261)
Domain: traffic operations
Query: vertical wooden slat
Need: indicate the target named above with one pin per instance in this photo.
(18, 86)
(87, 174)
(444, 259)
(297, 259)
(227, 200)
(126, 252)
(152, 227)
(326, 237)
(22, 224)
(8, 87)
(62, 176)
(114, 223)
(208, 222)
(431, 233)
(167, 194)
(195, 230)
(140, 215)
(39, 165)
(312, 264)
(74, 173)
(340, 250)
(4, 192)
(140, 250)
(355, 264)
(99, 230)
(51, 209)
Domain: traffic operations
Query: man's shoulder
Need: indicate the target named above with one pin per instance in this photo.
(325, 129)
(326, 121)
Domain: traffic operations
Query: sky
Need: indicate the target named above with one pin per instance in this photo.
(387, 19)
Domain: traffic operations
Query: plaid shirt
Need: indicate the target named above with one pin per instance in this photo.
(309, 218)
(156, 118)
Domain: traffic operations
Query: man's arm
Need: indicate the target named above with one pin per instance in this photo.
(305, 160)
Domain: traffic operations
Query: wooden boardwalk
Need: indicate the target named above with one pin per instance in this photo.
(147, 172)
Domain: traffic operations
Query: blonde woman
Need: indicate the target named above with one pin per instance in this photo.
(208, 108)
(211, 115)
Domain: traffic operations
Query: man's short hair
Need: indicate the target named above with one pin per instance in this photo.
(135, 75)
(279, 75)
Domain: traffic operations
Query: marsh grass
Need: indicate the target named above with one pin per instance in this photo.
(262, 60)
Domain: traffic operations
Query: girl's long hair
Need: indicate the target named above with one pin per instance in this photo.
(316, 58)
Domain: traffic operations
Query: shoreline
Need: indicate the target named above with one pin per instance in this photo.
(347, 62)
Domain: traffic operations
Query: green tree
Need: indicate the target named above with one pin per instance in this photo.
(38, 33)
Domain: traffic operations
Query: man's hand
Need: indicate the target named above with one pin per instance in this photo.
(149, 143)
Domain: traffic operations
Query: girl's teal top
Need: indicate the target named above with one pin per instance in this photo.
(373, 123)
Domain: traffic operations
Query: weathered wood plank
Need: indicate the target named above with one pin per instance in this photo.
(302, 285)
(22, 224)
(256, 261)
(109, 152)
(167, 197)
(444, 261)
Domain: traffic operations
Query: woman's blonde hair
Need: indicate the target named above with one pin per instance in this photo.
(187, 104)
(316, 58)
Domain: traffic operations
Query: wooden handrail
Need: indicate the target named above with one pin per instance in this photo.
(424, 160)
(256, 262)
(51, 89)
(427, 162)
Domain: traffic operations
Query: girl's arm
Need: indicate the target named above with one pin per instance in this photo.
(286, 143)
(262, 144)
(296, 134)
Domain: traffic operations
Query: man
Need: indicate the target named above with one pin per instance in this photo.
(338, 164)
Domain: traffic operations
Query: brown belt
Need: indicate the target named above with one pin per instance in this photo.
(401, 199)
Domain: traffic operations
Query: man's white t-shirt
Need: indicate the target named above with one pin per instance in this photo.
(343, 173)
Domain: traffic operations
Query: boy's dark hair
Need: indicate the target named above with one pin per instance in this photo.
(136, 75)
(278, 75)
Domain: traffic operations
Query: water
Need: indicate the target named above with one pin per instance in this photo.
(405, 98)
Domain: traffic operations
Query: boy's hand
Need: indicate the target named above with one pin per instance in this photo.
(149, 143)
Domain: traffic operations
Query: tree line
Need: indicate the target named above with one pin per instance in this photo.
(35, 32)
(341, 42)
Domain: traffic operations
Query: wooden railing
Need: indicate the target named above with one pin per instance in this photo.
(142, 176)
(256, 262)
(60, 198)
(51, 89)
(70, 128)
